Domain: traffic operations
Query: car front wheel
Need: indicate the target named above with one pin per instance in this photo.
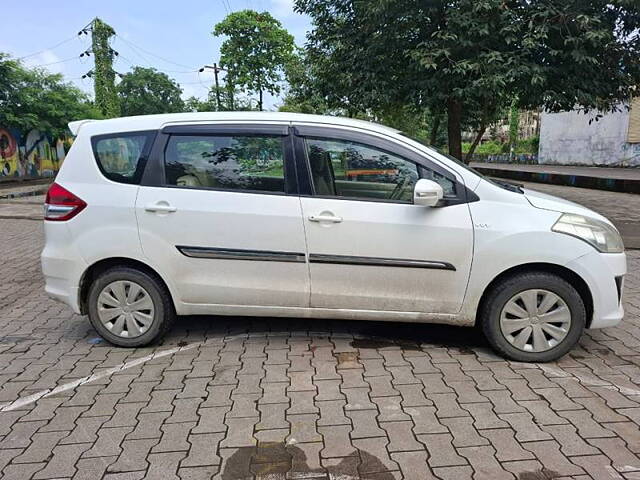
(533, 317)
(129, 307)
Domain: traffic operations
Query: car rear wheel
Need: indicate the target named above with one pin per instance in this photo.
(129, 307)
(533, 317)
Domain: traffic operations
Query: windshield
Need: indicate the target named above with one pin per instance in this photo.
(512, 187)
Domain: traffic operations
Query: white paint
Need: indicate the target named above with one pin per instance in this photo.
(568, 138)
(612, 472)
(21, 402)
(29, 399)
(585, 380)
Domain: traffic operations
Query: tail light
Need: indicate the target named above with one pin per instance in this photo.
(60, 204)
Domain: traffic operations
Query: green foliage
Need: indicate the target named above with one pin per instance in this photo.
(106, 96)
(256, 51)
(494, 147)
(471, 57)
(34, 98)
(146, 91)
(302, 96)
(194, 104)
(528, 145)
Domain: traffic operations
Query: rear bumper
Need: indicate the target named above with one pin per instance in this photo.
(62, 266)
(603, 273)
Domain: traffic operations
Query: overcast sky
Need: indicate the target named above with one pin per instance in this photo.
(174, 37)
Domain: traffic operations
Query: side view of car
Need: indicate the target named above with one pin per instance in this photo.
(278, 214)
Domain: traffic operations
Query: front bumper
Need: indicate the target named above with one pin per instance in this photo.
(603, 273)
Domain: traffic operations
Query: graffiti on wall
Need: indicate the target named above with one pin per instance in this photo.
(31, 155)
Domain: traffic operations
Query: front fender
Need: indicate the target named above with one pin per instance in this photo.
(519, 235)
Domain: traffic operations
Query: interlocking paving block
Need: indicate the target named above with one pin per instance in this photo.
(272, 397)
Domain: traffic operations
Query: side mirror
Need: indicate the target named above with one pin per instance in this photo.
(427, 193)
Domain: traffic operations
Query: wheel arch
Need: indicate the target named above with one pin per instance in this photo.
(105, 264)
(571, 277)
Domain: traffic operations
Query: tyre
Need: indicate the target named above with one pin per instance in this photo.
(533, 317)
(129, 307)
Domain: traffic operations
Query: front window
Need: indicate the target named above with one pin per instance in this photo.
(343, 168)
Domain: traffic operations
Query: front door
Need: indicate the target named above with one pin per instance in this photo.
(218, 213)
(369, 247)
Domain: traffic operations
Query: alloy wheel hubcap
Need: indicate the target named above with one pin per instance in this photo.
(125, 309)
(535, 320)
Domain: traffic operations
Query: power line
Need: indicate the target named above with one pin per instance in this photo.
(53, 47)
(132, 64)
(132, 45)
(54, 63)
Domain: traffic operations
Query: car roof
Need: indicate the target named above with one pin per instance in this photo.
(155, 122)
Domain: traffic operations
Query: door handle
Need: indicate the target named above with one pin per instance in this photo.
(325, 218)
(160, 207)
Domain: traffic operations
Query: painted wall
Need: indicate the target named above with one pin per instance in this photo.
(568, 138)
(29, 155)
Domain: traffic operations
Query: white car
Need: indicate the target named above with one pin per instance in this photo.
(278, 214)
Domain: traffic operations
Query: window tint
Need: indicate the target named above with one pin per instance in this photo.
(121, 158)
(229, 162)
(349, 169)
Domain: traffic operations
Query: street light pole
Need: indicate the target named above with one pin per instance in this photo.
(215, 69)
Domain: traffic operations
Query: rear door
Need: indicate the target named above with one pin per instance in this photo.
(218, 213)
(369, 246)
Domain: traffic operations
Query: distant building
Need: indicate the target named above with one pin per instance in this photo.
(568, 138)
(528, 126)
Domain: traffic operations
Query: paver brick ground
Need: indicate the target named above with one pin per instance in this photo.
(260, 398)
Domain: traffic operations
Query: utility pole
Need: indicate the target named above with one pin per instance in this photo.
(104, 86)
(215, 69)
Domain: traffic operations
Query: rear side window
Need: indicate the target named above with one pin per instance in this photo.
(237, 162)
(122, 157)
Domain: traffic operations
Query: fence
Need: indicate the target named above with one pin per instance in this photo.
(30, 156)
(521, 158)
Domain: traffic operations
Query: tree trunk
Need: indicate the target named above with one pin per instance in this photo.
(454, 128)
(260, 101)
(434, 130)
(476, 141)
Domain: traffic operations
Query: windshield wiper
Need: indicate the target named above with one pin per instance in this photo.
(512, 187)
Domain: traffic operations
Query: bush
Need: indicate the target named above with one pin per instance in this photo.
(494, 147)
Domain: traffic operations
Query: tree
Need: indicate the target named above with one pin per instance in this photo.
(255, 52)
(103, 74)
(35, 98)
(302, 94)
(145, 91)
(194, 104)
(514, 124)
(469, 58)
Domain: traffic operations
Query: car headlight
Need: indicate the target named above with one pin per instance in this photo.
(601, 235)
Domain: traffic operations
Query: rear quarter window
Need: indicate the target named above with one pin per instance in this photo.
(122, 157)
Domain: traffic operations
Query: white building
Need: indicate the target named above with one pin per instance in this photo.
(568, 138)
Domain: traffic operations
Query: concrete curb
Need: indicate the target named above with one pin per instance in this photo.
(622, 185)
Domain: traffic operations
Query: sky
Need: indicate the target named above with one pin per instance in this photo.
(171, 36)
